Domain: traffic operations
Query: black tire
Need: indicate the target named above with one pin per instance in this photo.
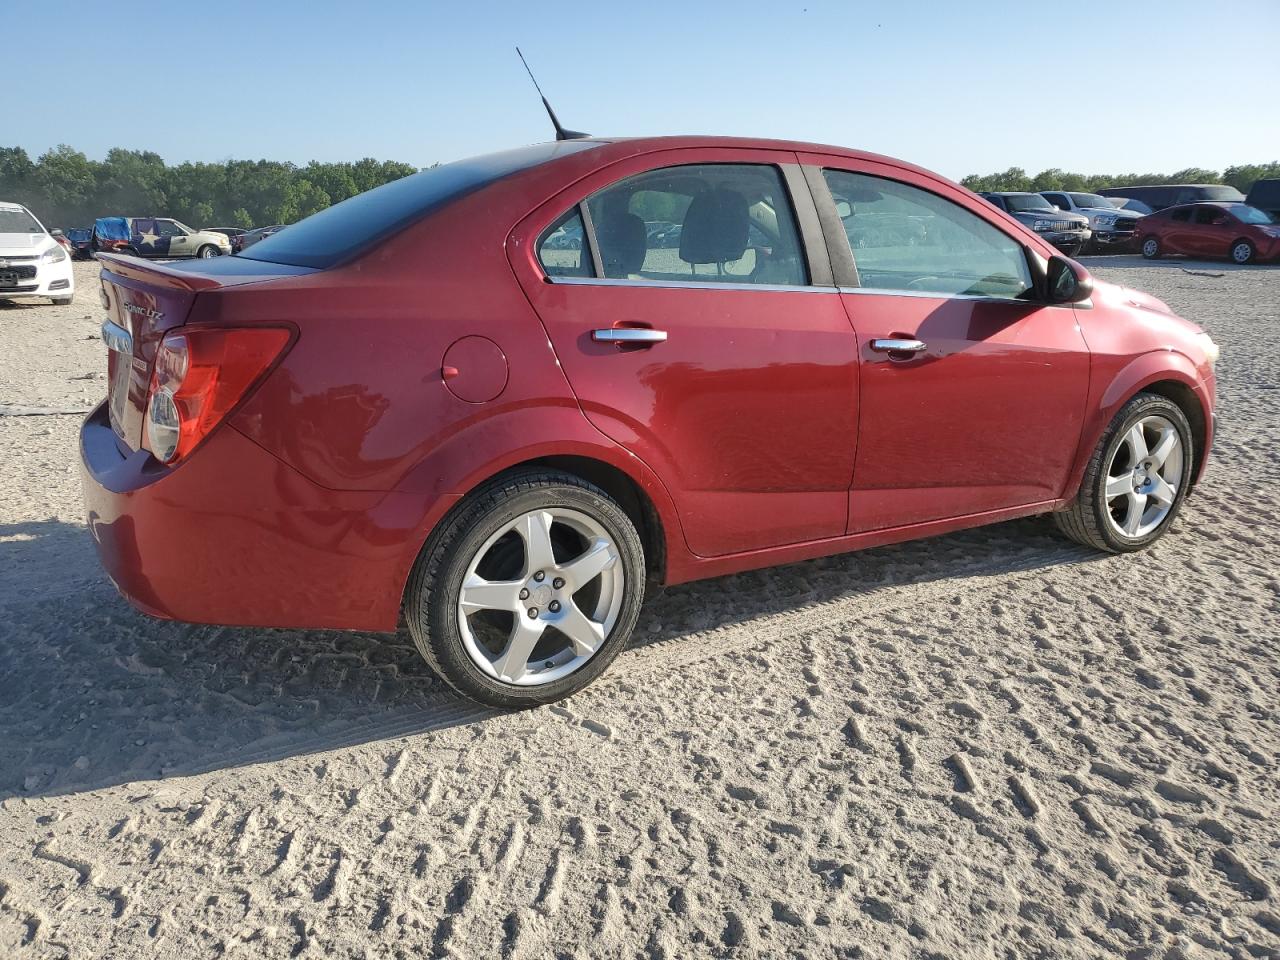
(131, 251)
(431, 597)
(1242, 251)
(1086, 520)
(208, 251)
(1150, 248)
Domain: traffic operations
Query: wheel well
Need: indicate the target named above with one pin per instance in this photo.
(628, 494)
(1189, 403)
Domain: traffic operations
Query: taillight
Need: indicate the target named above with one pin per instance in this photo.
(199, 376)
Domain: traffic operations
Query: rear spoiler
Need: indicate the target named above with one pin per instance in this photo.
(193, 276)
(158, 274)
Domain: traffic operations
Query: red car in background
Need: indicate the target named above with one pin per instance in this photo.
(420, 406)
(1237, 231)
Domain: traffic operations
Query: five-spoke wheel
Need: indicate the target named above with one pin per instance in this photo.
(528, 589)
(1136, 480)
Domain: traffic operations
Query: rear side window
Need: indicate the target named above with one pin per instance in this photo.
(353, 226)
(706, 223)
(1181, 216)
(907, 239)
(563, 250)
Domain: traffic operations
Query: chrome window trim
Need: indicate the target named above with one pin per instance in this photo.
(984, 298)
(690, 285)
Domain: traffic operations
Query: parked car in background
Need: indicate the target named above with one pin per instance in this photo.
(1128, 203)
(250, 237)
(229, 232)
(1234, 230)
(81, 239)
(1161, 195)
(528, 436)
(156, 237)
(32, 262)
(1112, 228)
(1265, 195)
(1069, 232)
(63, 242)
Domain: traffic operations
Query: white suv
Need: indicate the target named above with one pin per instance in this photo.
(32, 263)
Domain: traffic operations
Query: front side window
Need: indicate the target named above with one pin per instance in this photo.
(1182, 215)
(904, 238)
(563, 250)
(169, 228)
(706, 223)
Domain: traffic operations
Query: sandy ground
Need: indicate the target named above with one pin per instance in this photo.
(993, 744)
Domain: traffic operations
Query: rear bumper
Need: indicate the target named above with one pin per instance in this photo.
(234, 536)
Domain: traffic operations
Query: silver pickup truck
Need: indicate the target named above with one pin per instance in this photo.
(1111, 228)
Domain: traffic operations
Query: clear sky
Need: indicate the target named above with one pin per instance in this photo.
(963, 87)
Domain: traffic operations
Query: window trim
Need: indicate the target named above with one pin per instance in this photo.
(850, 281)
(808, 228)
(588, 242)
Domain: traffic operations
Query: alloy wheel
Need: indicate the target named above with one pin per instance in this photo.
(540, 596)
(1143, 476)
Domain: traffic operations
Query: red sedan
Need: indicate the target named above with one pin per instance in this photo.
(1237, 231)
(492, 402)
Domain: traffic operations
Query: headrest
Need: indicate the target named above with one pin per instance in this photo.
(623, 242)
(715, 227)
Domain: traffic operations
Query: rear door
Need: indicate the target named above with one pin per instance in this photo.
(718, 353)
(972, 396)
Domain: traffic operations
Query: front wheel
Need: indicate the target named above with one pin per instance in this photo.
(1242, 252)
(208, 252)
(528, 591)
(1137, 479)
(1151, 248)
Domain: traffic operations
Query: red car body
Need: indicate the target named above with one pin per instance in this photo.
(764, 431)
(1209, 229)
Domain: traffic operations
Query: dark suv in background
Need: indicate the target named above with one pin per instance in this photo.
(1069, 232)
(1265, 195)
(1161, 195)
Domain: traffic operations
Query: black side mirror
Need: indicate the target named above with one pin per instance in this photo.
(1068, 282)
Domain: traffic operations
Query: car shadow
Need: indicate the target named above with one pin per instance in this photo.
(93, 694)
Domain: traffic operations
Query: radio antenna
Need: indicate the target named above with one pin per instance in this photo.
(561, 132)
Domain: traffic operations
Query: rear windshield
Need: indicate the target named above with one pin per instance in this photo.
(347, 228)
(18, 221)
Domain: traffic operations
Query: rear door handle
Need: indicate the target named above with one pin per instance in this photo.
(899, 346)
(628, 335)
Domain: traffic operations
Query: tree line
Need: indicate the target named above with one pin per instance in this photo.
(64, 188)
(1015, 178)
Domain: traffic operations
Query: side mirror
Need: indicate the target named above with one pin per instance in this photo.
(1068, 282)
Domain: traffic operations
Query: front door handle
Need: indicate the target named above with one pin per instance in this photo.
(628, 335)
(899, 346)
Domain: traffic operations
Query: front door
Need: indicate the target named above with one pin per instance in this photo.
(179, 240)
(687, 326)
(972, 397)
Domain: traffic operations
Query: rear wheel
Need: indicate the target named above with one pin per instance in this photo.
(1151, 248)
(528, 591)
(1242, 252)
(1137, 479)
